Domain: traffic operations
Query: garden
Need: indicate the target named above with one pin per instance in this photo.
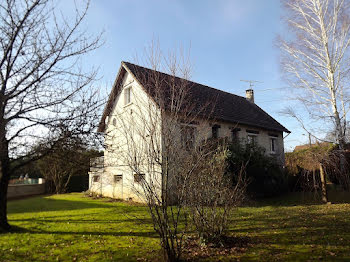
(74, 227)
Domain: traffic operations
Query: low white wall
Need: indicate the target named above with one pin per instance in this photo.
(21, 190)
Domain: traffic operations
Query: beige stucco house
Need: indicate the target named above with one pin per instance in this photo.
(232, 117)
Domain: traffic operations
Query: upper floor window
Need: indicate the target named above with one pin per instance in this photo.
(273, 145)
(215, 131)
(252, 139)
(127, 95)
(234, 134)
(188, 136)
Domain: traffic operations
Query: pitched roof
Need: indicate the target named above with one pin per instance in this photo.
(228, 107)
(307, 146)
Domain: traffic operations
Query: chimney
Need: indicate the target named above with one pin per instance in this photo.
(249, 94)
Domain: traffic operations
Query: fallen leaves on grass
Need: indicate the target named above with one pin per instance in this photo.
(231, 246)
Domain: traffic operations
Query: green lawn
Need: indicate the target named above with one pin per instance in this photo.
(72, 227)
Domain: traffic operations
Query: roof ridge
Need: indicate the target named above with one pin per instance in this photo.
(242, 97)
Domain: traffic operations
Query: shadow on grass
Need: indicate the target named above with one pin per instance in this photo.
(44, 204)
(22, 230)
(137, 221)
(298, 226)
(13, 229)
(303, 199)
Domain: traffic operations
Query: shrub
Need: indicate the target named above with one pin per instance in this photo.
(265, 176)
(211, 198)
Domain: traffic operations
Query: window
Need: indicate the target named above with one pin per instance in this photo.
(96, 178)
(127, 95)
(114, 122)
(187, 136)
(273, 145)
(138, 178)
(252, 139)
(234, 134)
(118, 178)
(215, 131)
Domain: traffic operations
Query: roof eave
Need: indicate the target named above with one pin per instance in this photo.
(106, 110)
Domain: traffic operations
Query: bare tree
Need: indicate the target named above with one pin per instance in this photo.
(42, 82)
(316, 59)
(70, 156)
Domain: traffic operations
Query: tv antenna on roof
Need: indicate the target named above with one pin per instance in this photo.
(251, 82)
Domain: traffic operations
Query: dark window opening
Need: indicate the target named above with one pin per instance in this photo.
(234, 134)
(118, 178)
(215, 131)
(138, 178)
(273, 145)
(187, 136)
(252, 131)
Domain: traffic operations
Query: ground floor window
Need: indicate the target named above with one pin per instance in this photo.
(96, 178)
(118, 179)
(215, 131)
(138, 178)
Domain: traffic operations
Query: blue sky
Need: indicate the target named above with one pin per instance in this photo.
(230, 40)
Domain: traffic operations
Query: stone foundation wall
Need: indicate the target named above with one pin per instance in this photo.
(22, 190)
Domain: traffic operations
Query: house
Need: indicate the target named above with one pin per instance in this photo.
(307, 146)
(219, 114)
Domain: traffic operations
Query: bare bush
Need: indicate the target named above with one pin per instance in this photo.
(212, 195)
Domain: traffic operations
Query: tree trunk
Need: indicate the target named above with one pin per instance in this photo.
(3, 205)
(323, 184)
(4, 179)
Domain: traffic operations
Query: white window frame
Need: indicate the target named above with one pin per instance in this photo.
(273, 143)
(127, 95)
(118, 178)
(254, 140)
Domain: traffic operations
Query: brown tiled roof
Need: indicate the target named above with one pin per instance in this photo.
(224, 106)
(306, 146)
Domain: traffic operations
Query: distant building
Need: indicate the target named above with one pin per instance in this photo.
(306, 146)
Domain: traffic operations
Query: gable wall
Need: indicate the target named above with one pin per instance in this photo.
(130, 121)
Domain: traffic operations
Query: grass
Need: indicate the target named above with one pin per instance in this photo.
(72, 227)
